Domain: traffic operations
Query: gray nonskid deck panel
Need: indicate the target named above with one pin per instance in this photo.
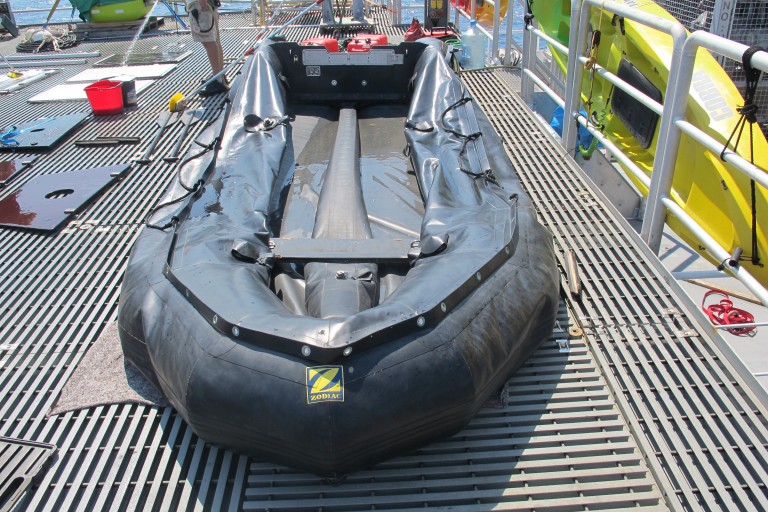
(560, 442)
(704, 430)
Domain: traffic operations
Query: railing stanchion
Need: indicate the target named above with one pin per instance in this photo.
(530, 42)
(675, 102)
(496, 26)
(577, 39)
(508, 39)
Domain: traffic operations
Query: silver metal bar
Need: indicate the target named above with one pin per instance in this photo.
(739, 326)
(189, 497)
(122, 474)
(495, 32)
(43, 63)
(177, 485)
(554, 43)
(207, 477)
(529, 66)
(509, 40)
(237, 490)
(624, 86)
(698, 274)
(158, 490)
(145, 457)
(577, 40)
(218, 497)
(101, 464)
(52, 56)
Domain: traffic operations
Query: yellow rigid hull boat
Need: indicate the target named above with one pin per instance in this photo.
(123, 11)
(714, 193)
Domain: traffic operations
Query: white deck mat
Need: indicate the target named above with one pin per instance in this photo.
(147, 71)
(76, 92)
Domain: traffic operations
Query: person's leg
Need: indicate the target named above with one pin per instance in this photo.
(357, 10)
(328, 11)
(216, 58)
(204, 24)
(215, 55)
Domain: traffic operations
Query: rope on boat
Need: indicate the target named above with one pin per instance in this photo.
(191, 189)
(748, 113)
(591, 116)
(528, 16)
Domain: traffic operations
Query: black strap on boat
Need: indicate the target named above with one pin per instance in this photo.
(190, 189)
(486, 174)
(528, 17)
(620, 19)
(748, 113)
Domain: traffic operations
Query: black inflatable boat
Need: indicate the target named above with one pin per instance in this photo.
(351, 270)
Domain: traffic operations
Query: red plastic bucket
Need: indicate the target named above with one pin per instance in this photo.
(106, 97)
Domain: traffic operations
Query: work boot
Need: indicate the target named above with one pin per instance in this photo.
(215, 87)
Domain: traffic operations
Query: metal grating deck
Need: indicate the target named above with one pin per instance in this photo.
(703, 429)
(558, 441)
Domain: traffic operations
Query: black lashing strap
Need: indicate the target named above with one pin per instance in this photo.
(528, 17)
(748, 113)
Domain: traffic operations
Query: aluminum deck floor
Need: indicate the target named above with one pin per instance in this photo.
(642, 412)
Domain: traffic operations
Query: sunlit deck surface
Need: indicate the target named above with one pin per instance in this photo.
(643, 410)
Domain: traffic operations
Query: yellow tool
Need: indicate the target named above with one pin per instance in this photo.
(12, 73)
(177, 103)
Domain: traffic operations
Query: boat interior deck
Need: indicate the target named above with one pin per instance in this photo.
(631, 404)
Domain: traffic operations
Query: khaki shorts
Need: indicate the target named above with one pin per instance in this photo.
(205, 28)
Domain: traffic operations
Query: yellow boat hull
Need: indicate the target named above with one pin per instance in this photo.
(714, 193)
(125, 11)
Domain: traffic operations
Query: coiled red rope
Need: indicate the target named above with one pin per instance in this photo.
(724, 313)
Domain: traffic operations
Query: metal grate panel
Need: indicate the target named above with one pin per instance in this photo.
(705, 429)
(20, 463)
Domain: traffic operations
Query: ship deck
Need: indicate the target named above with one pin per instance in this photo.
(633, 403)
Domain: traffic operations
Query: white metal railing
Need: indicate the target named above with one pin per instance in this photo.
(672, 125)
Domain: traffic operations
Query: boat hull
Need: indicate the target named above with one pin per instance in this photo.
(234, 349)
(712, 192)
(396, 396)
(124, 11)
